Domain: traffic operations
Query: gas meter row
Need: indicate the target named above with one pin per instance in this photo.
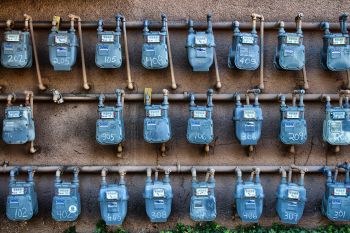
(22, 202)
(244, 53)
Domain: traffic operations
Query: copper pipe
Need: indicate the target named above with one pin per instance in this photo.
(261, 74)
(173, 82)
(127, 60)
(30, 101)
(11, 98)
(348, 77)
(86, 86)
(217, 74)
(42, 87)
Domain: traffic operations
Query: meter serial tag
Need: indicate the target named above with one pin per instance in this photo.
(339, 191)
(12, 37)
(292, 40)
(247, 40)
(338, 115)
(202, 191)
(338, 41)
(154, 112)
(158, 193)
(153, 39)
(112, 195)
(293, 194)
(13, 114)
(293, 115)
(249, 192)
(17, 191)
(201, 40)
(107, 115)
(107, 38)
(61, 39)
(199, 114)
(63, 192)
(249, 114)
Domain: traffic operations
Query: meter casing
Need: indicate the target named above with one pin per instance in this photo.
(108, 48)
(200, 124)
(16, 49)
(249, 197)
(22, 201)
(157, 127)
(155, 48)
(110, 125)
(248, 122)
(66, 202)
(336, 126)
(336, 199)
(290, 52)
(293, 128)
(244, 53)
(113, 200)
(291, 198)
(18, 125)
(63, 46)
(158, 197)
(203, 201)
(200, 47)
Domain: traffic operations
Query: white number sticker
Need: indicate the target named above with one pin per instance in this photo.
(158, 193)
(293, 194)
(200, 40)
(107, 115)
(112, 195)
(61, 39)
(107, 38)
(338, 115)
(13, 114)
(155, 113)
(153, 39)
(199, 114)
(292, 40)
(202, 191)
(293, 115)
(63, 192)
(249, 192)
(249, 114)
(339, 41)
(12, 37)
(17, 191)
(247, 40)
(339, 191)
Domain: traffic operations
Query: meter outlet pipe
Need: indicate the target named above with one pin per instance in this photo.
(30, 102)
(72, 17)
(299, 31)
(29, 19)
(262, 20)
(127, 60)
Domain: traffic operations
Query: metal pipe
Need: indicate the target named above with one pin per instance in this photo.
(174, 97)
(127, 60)
(173, 81)
(261, 73)
(142, 168)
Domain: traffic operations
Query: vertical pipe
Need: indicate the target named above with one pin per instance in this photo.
(127, 60)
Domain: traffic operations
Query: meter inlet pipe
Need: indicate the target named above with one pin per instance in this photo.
(127, 61)
(42, 87)
(11, 98)
(72, 17)
(262, 20)
(173, 82)
(298, 23)
(120, 100)
(30, 102)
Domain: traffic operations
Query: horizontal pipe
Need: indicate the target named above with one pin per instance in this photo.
(143, 168)
(181, 24)
(172, 97)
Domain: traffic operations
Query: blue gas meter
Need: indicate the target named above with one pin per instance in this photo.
(203, 201)
(291, 197)
(22, 200)
(244, 53)
(249, 196)
(290, 52)
(63, 47)
(155, 49)
(66, 202)
(336, 126)
(158, 197)
(335, 54)
(108, 49)
(200, 46)
(16, 48)
(248, 120)
(293, 129)
(113, 200)
(156, 127)
(18, 125)
(336, 199)
(110, 125)
(200, 124)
